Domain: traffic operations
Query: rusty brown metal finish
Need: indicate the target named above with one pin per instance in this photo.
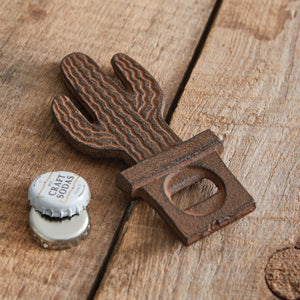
(127, 118)
(127, 123)
(158, 178)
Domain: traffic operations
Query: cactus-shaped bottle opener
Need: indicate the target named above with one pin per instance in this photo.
(127, 123)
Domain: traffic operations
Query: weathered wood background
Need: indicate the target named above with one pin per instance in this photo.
(245, 87)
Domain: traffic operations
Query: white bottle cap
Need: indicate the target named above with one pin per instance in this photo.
(59, 194)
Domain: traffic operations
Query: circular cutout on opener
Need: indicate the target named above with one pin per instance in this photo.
(56, 233)
(194, 179)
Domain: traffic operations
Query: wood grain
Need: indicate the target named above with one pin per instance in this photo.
(244, 87)
(34, 37)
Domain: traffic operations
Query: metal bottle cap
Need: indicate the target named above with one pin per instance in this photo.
(59, 194)
(56, 233)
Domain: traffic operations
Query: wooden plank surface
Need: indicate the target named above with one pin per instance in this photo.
(245, 87)
(34, 37)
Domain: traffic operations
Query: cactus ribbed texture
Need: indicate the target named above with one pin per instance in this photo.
(127, 117)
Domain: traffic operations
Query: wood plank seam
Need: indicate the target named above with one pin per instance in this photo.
(118, 234)
(255, 83)
(146, 30)
(185, 79)
(194, 59)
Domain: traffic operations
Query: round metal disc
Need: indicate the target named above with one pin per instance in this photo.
(59, 194)
(55, 233)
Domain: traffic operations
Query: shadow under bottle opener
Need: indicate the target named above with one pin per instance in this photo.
(127, 123)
